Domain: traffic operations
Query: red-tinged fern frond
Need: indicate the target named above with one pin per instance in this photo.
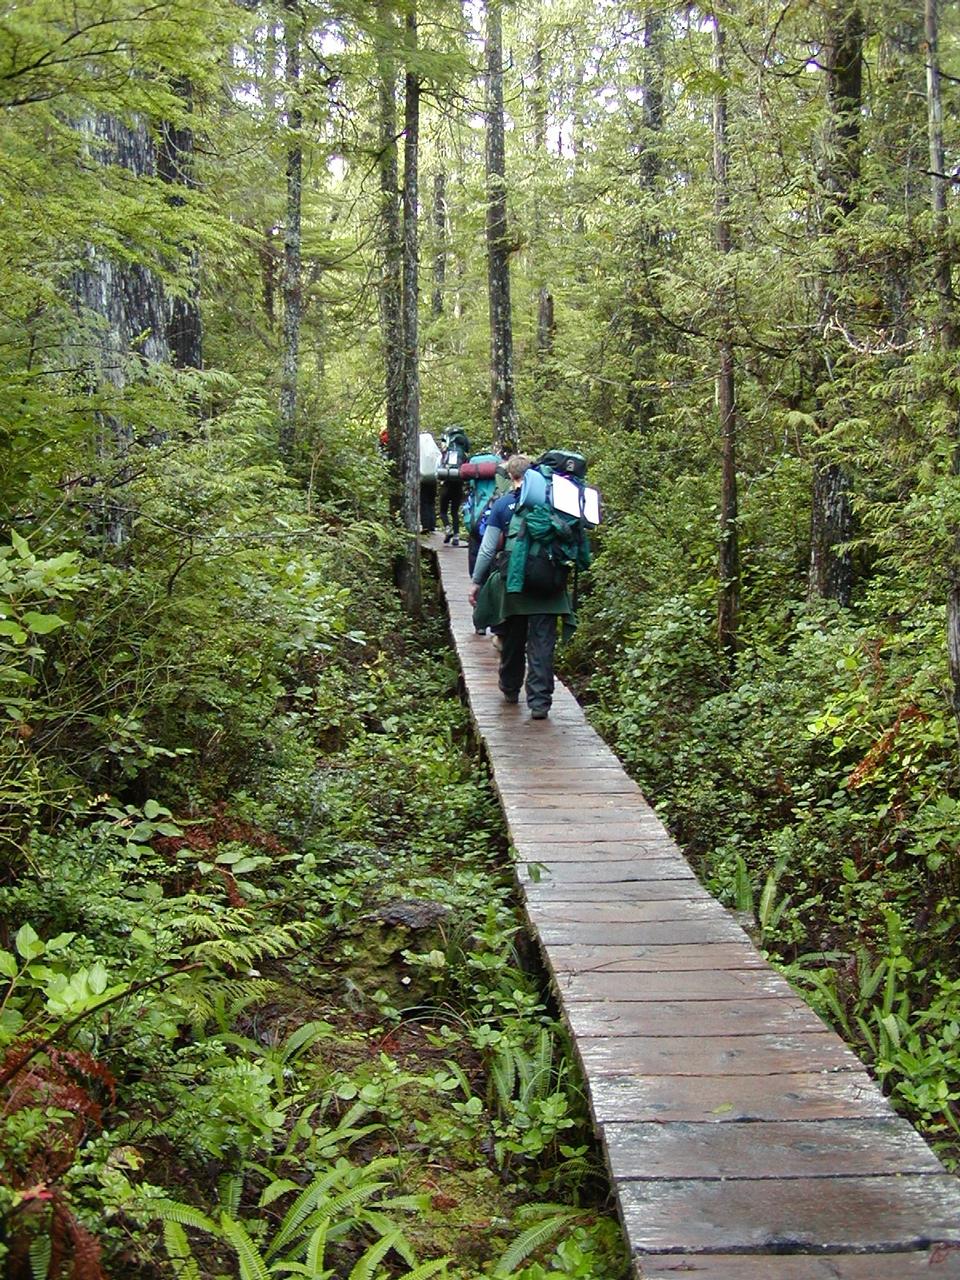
(86, 1065)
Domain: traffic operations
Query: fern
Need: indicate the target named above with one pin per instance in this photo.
(367, 1265)
(304, 1205)
(529, 1241)
(427, 1270)
(252, 1264)
(185, 1215)
(179, 1252)
(317, 1247)
(41, 1252)
(230, 1189)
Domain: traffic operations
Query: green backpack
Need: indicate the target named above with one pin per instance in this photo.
(543, 544)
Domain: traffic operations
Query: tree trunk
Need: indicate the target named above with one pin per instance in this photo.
(391, 248)
(503, 410)
(729, 560)
(642, 402)
(546, 326)
(410, 452)
(946, 325)
(831, 565)
(292, 271)
(131, 308)
(440, 232)
(175, 166)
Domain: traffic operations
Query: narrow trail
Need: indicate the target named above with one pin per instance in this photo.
(744, 1139)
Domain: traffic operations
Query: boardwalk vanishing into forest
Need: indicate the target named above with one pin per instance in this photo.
(744, 1140)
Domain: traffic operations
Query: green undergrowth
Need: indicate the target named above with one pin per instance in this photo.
(296, 1029)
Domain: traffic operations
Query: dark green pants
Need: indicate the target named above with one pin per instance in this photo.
(528, 645)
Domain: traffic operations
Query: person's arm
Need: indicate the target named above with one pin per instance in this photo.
(489, 547)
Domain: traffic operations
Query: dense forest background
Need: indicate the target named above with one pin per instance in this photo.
(714, 249)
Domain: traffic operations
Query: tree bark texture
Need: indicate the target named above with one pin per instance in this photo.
(292, 268)
(643, 404)
(546, 325)
(175, 166)
(391, 247)
(440, 234)
(410, 452)
(946, 320)
(831, 564)
(503, 409)
(729, 559)
(127, 309)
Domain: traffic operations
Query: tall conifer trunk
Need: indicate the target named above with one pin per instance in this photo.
(947, 329)
(545, 314)
(642, 400)
(128, 304)
(292, 270)
(410, 453)
(729, 559)
(503, 409)
(175, 166)
(391, 247)
(831, 564)
(440, 237)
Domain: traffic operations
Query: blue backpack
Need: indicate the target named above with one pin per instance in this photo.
(482, 493)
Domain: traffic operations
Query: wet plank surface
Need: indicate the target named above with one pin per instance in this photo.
(744, 1140)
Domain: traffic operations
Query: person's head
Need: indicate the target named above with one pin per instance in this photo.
(516, 466)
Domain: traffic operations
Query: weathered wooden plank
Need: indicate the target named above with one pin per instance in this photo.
(548, 865)
(607, 913)
(913, 1211)
(696, 1055)
(598, 853)
(704, 984)
(652, 957)
(717, 929)
(777, 1149)
(691, 1017)
(593, 778)
(535, 807)
(547, 889)
(722, 1099)
(935, 1264)
(587, 831)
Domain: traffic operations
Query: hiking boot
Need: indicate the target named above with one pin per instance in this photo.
(510, 697)
(446, 538)
(454, 542)
(540, 713)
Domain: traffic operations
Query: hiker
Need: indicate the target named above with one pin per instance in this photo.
(429, 461)
(525, 622)
(487, 482)
(454, 448)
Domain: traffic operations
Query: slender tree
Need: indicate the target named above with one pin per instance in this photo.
(391, 246)
(175, 166)
(440, 236)
(292, 248)
(729, 565)
(946, 324)
(831, 562)
(546, 324)
(502, 399)
(410, 449)
(642, 405)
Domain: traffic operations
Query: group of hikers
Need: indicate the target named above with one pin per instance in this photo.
(525, 524)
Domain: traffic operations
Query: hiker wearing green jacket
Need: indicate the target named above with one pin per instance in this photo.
(526, 623)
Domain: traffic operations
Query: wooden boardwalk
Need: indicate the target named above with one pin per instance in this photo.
(744, 1140)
